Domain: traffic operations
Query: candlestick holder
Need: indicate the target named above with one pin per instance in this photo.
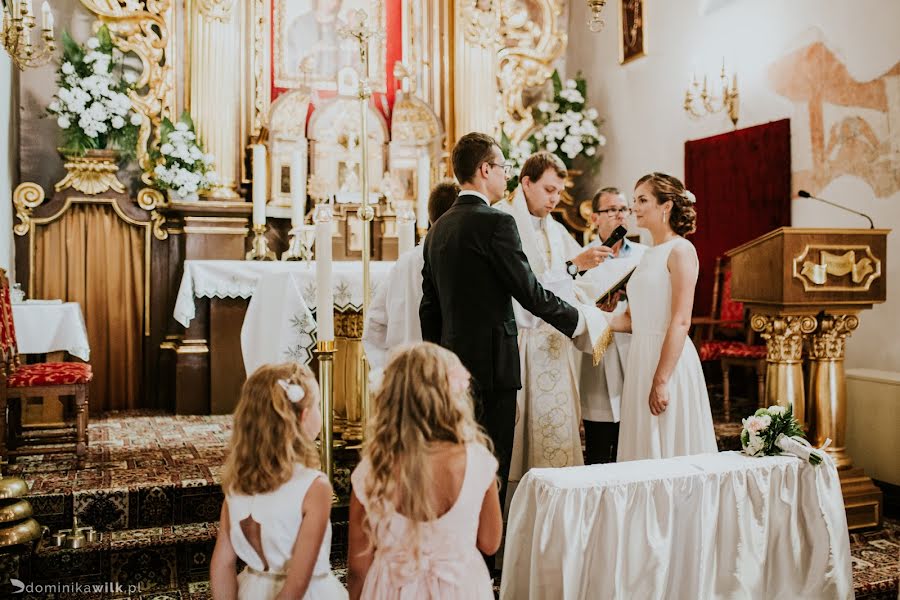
(259, 250)
(325, 353)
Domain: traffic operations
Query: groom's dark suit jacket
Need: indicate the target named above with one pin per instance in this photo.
(474, 267)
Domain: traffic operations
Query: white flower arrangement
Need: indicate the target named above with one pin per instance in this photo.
(181, 164)
(565, 128)
(92, 106)
(774, 430)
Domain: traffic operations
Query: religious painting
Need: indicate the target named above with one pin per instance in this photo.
(632, 32)
(305, 38)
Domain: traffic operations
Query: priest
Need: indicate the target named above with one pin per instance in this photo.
(547, 428)
(393, 317)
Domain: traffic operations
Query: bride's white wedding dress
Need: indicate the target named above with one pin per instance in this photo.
(686, 426)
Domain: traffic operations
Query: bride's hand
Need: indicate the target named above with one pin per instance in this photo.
(659, 398)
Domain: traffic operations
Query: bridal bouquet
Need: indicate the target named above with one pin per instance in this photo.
(564, 127)
(181, 164)
(92, 106)
(774, 430)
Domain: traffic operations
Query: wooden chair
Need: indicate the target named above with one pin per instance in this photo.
(726, 336)
(19, 382)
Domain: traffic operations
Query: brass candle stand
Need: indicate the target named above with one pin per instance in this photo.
(300, 246)
(75, 537)
(358, 28)
(259, 250)
(325, 353)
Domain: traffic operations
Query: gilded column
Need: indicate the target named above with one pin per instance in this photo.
(215, 90)
(784, 372)
(827, 386)
(476, 101)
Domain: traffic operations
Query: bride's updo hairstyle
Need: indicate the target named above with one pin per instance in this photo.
(683, 218)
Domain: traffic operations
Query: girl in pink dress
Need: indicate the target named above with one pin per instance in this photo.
(276, 514)
(425, 501)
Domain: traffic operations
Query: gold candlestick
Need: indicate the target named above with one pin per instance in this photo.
(259, 250)
(325, 353)
(357, 28)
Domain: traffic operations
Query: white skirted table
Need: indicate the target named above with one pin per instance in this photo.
(45, 326)
(707, 526)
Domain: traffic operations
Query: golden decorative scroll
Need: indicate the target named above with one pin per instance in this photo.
(815, 274)
(145, 33)
(828, 341)
(532, 40)
(26, 197)
(152, 200)
(92, 174)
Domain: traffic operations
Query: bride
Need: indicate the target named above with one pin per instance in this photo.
(665, 406)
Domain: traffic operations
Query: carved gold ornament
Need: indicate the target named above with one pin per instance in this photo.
(92, 174)
(530, 47)
(480, 23)
(857, 261)
(827, 343)
(145, 33)
(152, 200)
(26, 197)
(783, 335)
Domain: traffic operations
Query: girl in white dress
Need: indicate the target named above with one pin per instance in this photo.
(276, 513)
(665, 405)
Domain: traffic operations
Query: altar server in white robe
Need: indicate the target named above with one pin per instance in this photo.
(601, 388)
(547, 427)
(393, 317)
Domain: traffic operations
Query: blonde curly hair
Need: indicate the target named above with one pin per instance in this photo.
(267, 440)
(423, 401)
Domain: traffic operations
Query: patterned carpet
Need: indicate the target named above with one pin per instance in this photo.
(151, 484)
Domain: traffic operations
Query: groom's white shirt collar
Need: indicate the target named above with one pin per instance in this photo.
(474, 193)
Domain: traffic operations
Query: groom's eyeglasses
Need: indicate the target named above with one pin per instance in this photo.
(612, 211)
(507, 169)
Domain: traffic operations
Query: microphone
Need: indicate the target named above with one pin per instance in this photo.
(805, 194)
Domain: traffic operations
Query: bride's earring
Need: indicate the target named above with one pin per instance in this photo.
(664, 217)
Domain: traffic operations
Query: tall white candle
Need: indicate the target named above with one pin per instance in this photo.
(423, 181)
(45, 15)
(259, 184)
(298, 188)
(324, 291)
(49, 24)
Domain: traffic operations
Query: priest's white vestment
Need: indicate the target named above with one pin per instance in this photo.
(548, 420)
(601, 388)
(393, 317)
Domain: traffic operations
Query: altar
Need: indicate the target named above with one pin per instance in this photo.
(212, 303)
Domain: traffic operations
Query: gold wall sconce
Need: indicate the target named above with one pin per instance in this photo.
(18, 23)
(596, 22)
(699, 102)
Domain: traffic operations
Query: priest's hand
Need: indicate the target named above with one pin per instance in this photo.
(659, 398)
(591, 257)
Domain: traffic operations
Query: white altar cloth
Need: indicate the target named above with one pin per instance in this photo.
(239, 278)
(278, 326)
(44, 326)
(706, 526)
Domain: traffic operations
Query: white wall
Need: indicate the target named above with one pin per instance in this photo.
(646, 126)
(7, 163)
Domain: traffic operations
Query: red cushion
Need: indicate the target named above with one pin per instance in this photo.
(715, 350)
(730, 310)
(50, 373)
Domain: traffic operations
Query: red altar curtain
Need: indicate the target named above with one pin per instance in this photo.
(742, 181)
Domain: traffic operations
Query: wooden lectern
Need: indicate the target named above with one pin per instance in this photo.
(805, 288)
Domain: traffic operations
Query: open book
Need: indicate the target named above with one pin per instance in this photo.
(619, 285)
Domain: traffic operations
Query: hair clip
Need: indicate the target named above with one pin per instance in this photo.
(295, 392)
(690, 197)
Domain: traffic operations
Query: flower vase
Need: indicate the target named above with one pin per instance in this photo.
(93, 173)
(174, 196)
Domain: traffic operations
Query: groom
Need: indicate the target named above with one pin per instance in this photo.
(474, 267)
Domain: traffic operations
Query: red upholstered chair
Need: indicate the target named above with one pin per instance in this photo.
(725, 336)
(18, 382)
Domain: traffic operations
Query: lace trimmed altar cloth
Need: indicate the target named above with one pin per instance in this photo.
(705, 526)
